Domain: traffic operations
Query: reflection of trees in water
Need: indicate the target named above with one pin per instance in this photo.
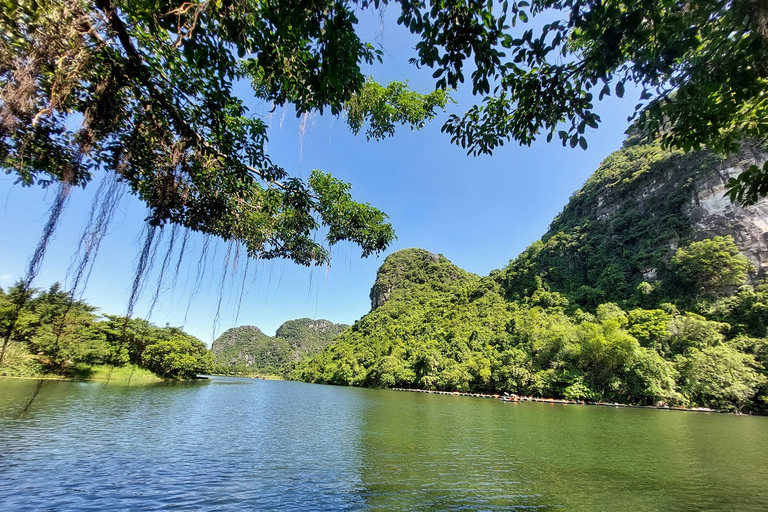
(440, 453)
(38, 387)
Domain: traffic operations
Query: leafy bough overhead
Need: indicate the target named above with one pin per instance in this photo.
(144, 88)
(148, 88)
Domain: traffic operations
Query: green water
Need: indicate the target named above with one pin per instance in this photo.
(241, 444)
(580, 457)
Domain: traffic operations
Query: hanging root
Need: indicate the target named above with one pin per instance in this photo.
(54, 214)
(102, 211)
(242, 290)
(141, 269)
(221, 289)
(213, 259)
(202, 263)
(89, 225)
(181, 257)
(311, 280)
(233, 274)
(163, 268)
(256, 268)
(280, 277)
(269, 280)
(150, 263)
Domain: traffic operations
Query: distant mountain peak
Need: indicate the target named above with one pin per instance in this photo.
(246, 349)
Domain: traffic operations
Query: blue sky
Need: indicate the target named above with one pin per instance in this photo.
(479, 212)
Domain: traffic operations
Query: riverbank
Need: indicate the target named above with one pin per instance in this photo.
(120, 375)
(520, 398)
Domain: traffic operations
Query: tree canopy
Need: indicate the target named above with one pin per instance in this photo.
(144, 89)
(52, 333)
(714, 265)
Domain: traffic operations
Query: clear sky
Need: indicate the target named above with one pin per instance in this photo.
(479, 212)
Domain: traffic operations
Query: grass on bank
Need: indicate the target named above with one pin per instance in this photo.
(126, 374)
(18, 362)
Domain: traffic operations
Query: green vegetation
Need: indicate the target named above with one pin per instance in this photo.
(248, 351)
(615, 239)
(712, 267)
(460, 333)
(124, 374)
(603, 308)
(55, 335)
(145, 90)
(593, 310)
(589, 49)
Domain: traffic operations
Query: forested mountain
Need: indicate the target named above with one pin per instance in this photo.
(246, 349)
(646, 289)
(624, 225)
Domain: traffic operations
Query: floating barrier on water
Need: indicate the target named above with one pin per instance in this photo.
(506, 397)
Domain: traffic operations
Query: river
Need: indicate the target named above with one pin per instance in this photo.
(245, 444)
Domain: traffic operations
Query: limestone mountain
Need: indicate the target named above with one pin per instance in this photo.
(427, 314)
(411, 268)
(637, 293)
(306, 337)
(247, 349)
(624, 225)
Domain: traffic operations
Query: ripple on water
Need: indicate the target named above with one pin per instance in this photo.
(241, 444)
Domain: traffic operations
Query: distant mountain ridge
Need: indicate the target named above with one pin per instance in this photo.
(246, 349)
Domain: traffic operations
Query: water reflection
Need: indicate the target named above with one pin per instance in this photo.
(425, 452)
(243, 444)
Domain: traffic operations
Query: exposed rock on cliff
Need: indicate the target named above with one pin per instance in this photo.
(712, 214)
(624, 225)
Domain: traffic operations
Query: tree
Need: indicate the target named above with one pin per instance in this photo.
(720, 377)
(66, 330)
(16, 321)
(179, 355)
(701, 65)
(152, 86)
(713, 267)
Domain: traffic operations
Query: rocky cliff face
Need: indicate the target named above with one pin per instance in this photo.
(625, 224)
(712, 214)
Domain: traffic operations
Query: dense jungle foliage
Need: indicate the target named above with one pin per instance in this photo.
(461, 333)
(615, 303)
(246, 350)
(53, 334)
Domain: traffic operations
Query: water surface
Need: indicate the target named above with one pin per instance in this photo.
(243, 444)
